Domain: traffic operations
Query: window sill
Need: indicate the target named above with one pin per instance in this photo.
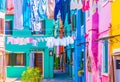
(15, 66)
(37, 35)
(8, 35)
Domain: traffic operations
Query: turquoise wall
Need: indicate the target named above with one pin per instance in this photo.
(16, 71)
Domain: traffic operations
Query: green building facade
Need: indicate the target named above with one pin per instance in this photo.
(14, 67)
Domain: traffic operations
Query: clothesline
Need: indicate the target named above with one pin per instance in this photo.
(50, 41)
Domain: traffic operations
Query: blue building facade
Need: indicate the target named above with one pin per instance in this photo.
(79, 56)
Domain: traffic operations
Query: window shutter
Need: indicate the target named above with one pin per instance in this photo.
(24, 59)
(12, 59)
(11, 24)
(105, 57)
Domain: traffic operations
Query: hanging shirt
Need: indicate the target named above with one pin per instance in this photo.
(42, 8)
(38, 9)
(58, 8)
(18, 16)
(10, 6)
(26, 13)
(66, 11)
(50, 9)
(62, 6)
(35, 19)
(2, 5)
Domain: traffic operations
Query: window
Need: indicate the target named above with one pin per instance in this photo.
(105, 57)
(42, 31)
(8, 27)
(15, 59)
(1, 26)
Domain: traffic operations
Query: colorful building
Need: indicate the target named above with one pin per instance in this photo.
(33, 44)
(22, 47)
(114, 71)
(2, 39)
(103, 44)
(98, 22)
(79, 56)
(2, 47)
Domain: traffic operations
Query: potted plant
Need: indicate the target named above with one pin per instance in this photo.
(32, 75)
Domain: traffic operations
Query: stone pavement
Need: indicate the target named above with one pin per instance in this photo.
(12, 80)
(58, 77)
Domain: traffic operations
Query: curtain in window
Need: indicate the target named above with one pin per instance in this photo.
(31, 61)
(19, 59)
(8, 27)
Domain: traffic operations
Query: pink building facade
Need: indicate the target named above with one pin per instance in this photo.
(2, 48)
(97, 27)
(104, 31)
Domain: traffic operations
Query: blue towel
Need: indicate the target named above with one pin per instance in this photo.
(2, 5)
(26, 13)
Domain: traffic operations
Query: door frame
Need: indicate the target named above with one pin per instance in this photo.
(42, 57)
(112, 66)
(114, 58)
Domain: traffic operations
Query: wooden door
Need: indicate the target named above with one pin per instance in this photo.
(39, 61)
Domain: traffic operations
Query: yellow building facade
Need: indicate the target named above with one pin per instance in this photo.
(114, 41)
(115, 28)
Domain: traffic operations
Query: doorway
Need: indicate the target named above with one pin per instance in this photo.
(38, 62)
(116, 60)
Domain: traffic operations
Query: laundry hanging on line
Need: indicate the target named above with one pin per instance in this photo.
(2, 5)
(18, 15)
(62, 7)
(26, 13)
(50, 9)
(10, 6)
(50, 41)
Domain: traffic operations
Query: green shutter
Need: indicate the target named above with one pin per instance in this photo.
(24, 59)
(12, 59)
